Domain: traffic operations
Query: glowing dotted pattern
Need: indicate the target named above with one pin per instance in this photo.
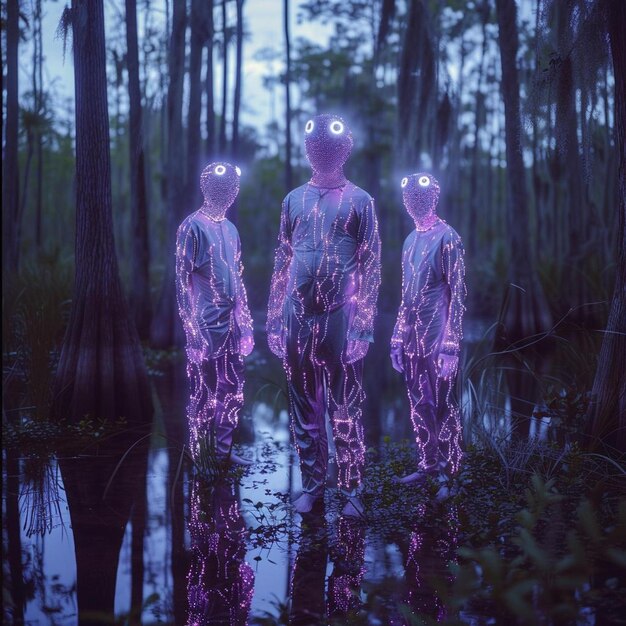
(213, 307)
(429, 322)
(322, 300)
(220, 583)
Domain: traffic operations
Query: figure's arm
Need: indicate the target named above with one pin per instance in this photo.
(242, 312)
(454, 269)
(397, 341)
(278, 287)
(186, 256)
(368, 276)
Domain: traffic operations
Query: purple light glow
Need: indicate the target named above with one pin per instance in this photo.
(220, 583)
(322, 304)
(426, 340)
(213, 307)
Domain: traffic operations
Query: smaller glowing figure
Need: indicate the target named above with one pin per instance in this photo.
(426, 339)
(213, 306)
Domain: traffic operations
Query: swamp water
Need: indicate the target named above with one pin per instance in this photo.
(232, 551)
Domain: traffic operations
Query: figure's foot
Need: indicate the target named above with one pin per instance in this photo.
(305, 502)
(415, 478)
(235, 459)
(448, 489)
(354, 507)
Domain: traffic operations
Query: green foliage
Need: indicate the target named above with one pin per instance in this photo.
(539, 582)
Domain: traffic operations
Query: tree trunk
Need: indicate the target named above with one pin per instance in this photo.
(238, 64)
(525, 310)
(210, 92)
(101, 372)
(528, 312)
(479, 118)
(140, 294)
(166, 327)
(11, 177)
(608, 409)
(288, 170)
(13, 553)
(39, 106)
(225, 38)
(198, 38)
(417, 91)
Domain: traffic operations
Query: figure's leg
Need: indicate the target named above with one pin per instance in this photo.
(421, 381)
(307, 405)
(201, 407)
(450, 434)
(346, 397)
(348, 557)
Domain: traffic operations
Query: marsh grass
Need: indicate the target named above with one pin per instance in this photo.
(35, 311)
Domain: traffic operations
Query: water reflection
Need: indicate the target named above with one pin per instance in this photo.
(101, 491)
(346, 553)
(428, 551)
(191, 543)
(220, 582)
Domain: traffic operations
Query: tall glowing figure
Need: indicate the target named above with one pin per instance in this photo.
(426, 339)
(213, 307)
(321, 309)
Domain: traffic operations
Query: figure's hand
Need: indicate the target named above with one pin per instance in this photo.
(277, 344)
(246, 343)
(396, 358)
(198, 349)
(447, 365)
(356, 350)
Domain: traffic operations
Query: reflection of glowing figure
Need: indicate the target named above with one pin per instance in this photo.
(321, 308)
(430, 550)
(309, 574)
(344, 584)
(426, 339)
(214, 309)
(220, 583)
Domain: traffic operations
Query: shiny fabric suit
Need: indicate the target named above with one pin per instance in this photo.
(213, 306)
(429, 326)
(324, 291)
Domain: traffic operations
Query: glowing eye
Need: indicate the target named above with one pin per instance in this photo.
(220, 170)
(404, 182)
(424, 181)
(336, 128)
(237, 170)
(309, 127)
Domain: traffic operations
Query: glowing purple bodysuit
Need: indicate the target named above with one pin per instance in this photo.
(213, 307)
(322, 305)
(426, 340)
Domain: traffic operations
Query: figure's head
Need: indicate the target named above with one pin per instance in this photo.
(327, 142)
(420, 194)
(220, 185)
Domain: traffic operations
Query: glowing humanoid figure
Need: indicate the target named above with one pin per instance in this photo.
(214, 309)
(426, 339)
(321, 309)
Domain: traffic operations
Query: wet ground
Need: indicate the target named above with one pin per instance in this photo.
(228, 549)
(132, 526)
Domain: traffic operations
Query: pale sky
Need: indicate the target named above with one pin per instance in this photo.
(264, 26)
